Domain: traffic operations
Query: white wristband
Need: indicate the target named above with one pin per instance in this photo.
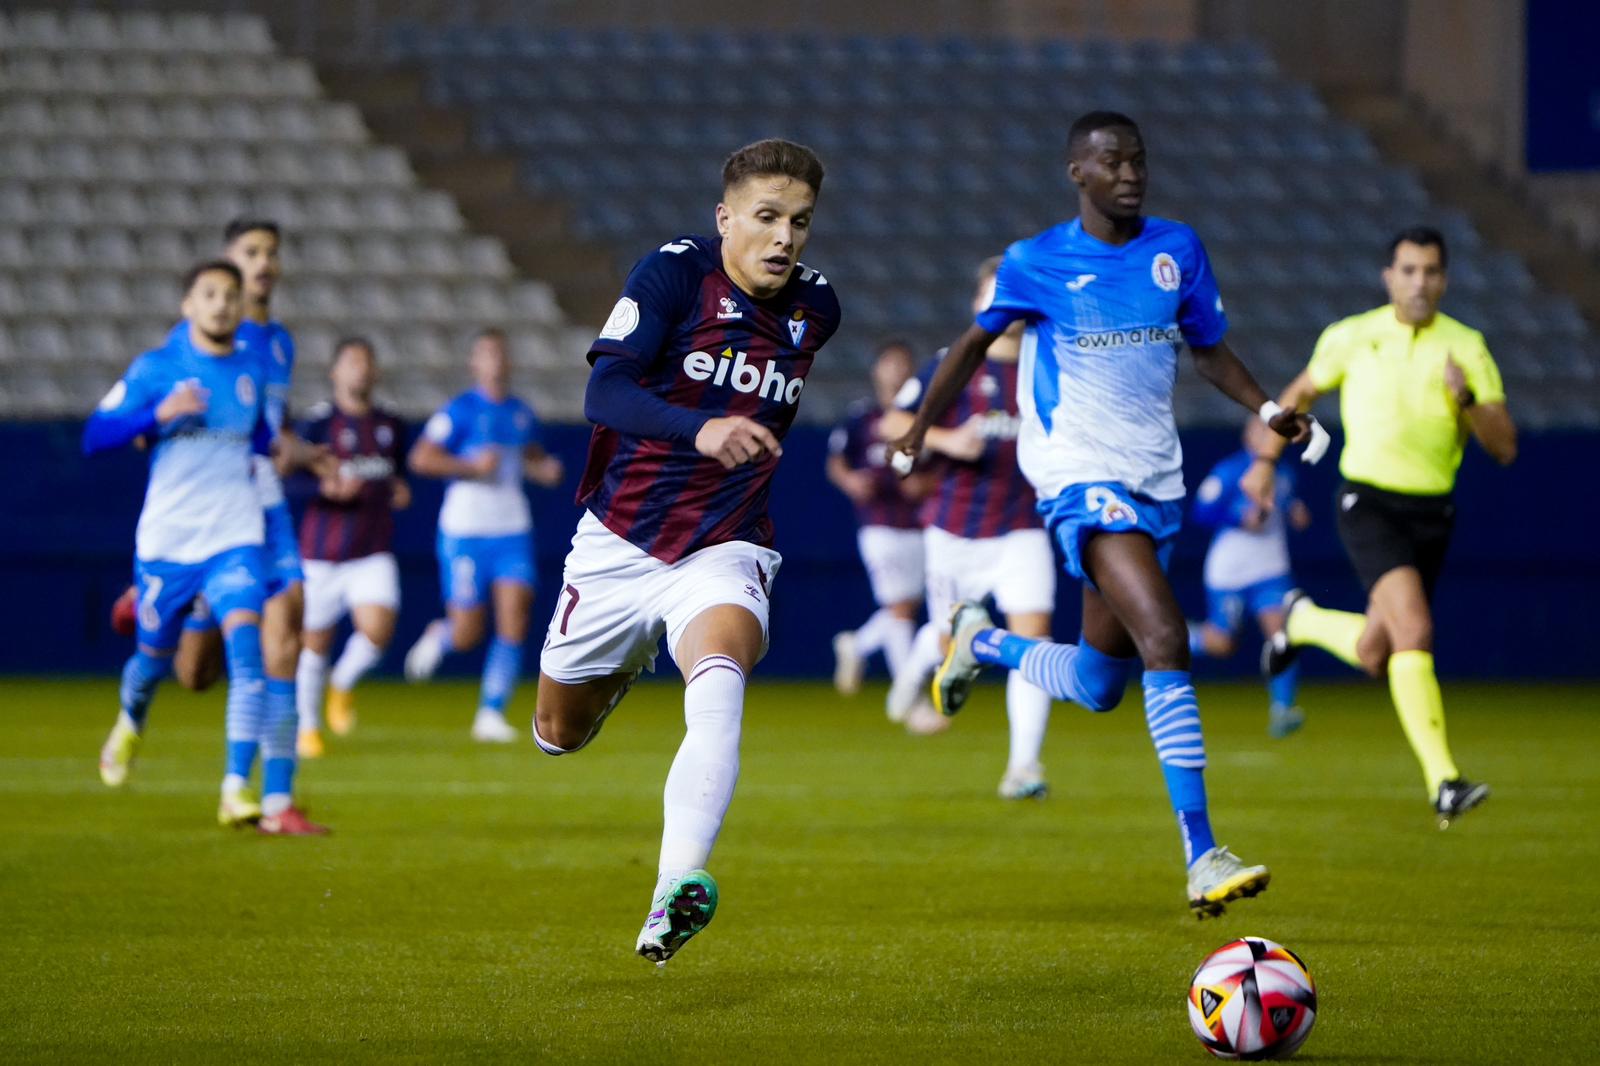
(1270, 410)
(902, 462)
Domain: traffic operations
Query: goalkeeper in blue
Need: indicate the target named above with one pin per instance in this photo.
(202, 398)
(1247, 572)
(1110, 298)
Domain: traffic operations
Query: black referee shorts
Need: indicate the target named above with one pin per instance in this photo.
(1382, 530)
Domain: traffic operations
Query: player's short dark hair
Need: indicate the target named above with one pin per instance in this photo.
(773, 156)
(240, 226)
(193, 274)
(1423, 236)
(353, 340)
(1087, 124)
(890, 344)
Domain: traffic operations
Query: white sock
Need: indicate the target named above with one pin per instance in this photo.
(870, 637)
(914, 671)
(233, 784)
(359, 656)
(1028, 710)
(275, 803)
(309, 678)
(700, 783)
(898, 633)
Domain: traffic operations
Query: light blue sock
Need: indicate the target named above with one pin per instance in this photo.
(501, 668)
(1076, 672)
(277, 740)
(1173, 716)
(246, 698)
(1285, 688)
(140, 676)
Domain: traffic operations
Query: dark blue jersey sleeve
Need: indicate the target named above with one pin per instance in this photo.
(658, 295)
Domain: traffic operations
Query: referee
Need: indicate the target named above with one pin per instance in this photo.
(1413, 383)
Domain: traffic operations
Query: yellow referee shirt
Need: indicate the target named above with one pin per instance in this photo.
(1402, 429)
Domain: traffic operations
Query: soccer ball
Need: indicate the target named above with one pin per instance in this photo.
(1252, 999)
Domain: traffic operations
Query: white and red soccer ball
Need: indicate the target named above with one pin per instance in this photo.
(1252, 999)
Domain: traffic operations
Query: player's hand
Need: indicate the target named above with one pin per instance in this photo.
(546, 471)
(904, 450)
(1254, 519)
(1259, 483)
(1299, 516)
(735, 440)
(186, 398)
(399, 493)
(1455, 379)
(1292, 426)
(484, 464)
(858, 485)
(340, 489)
(319, 459)
(966, 441)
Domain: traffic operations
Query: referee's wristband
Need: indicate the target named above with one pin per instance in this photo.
(1269, 411)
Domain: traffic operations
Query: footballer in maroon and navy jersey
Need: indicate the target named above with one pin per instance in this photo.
(345, 540)
(981, 491)
(697, 376)
(703, 345)
(359, 519)
(889, 536)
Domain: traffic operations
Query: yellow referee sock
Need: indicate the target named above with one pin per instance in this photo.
(1334, 631)
(1418, 702)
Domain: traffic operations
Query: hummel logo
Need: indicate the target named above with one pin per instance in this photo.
(1077, 284)
(730, 309)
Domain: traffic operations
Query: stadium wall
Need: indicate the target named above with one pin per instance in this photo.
(1516, 601)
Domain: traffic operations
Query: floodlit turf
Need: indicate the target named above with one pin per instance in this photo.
(878, 902)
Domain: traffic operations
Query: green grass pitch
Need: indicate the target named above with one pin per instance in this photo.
(879, 904)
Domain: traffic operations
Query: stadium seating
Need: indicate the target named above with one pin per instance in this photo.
(942, 150)
(130, 140)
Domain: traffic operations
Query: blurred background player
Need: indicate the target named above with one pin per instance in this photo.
(888, 534)
(984, 538)
(346, 538)
(1413, 384)
(201, 531)
(1247, 573)
(697, 376)
(1110, 298)
(485, 442)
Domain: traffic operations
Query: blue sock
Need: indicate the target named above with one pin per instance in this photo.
(246, 697)
(1285, 688)
(1173, 716)
(1076, 672)
(277, 739)
(140, 676)
(500, 671)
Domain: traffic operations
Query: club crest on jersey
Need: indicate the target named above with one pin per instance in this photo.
(1165, 273)
(1114, 510)
(797, 327)
(245, 389)
(347, 439)
(730, 309)
(737, 370)
(384, 436)
(623, 321)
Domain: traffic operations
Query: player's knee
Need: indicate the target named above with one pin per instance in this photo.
(1165, 646)
(559, 734)
(1411, 634)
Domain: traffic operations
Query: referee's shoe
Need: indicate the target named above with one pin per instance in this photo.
(1457, 797)
(1277, 654)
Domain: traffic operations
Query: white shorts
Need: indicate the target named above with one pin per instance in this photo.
(335, 588)
(893, 558)
(1018, 569)
(617, 601)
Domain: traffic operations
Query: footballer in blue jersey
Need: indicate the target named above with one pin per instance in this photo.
(201, 397)
(1247, 574)
(485, 442)
(1110, 299)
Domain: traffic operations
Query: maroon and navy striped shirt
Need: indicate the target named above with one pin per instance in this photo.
(370, 448)
(706, 345)
(858, 442)
(987, 497)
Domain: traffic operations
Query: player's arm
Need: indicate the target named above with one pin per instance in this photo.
(955, 370)
(135, 408)
(1486, 416)
(434, 453)
(540, 467)
(1218, 364)
(1259, 481)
